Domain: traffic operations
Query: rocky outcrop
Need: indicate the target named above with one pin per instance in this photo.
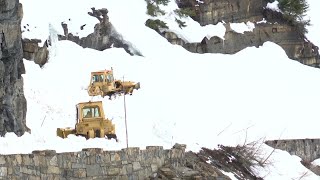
(173, 38)
(277, 30)
(214, 11)
(104, 36)
(32, 51)
(191, 166)
(295, 45)
(13, 105)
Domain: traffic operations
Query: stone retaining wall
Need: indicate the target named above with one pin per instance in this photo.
(129, 163)
(307, 149)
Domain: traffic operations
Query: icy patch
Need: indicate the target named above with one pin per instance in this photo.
(316, 162)
(242, 27)
(274, 6)
(229, 174)
(262, 21)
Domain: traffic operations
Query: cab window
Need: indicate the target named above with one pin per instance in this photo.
(97, 78)
(91, 112)
(110, 78)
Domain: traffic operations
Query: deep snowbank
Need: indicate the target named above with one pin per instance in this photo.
(199, 100)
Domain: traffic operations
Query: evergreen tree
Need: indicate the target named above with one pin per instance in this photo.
(294, 8)
(163, 2)
(181, 23)
(185, 12)
(153, 8)
(294, 11)
(156, 24)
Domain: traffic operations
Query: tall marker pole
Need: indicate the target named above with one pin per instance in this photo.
(125, 113)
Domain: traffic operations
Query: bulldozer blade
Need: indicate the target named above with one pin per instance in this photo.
(64, 132)
(137, 86)
(112, 136)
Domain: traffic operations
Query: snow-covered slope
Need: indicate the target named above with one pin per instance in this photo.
(314, 29)
(199, 100)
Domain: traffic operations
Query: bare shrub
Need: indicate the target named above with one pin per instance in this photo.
(241, 160)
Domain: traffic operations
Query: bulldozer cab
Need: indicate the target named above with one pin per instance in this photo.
(89, 111)
(90, 123)
(102, 77)
(101, 83)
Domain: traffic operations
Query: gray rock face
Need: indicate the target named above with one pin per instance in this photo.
(103, 37)
(32, 51)
(307, 149)
(279, 31)
(214, 11)
(295, 45)
(13, 105)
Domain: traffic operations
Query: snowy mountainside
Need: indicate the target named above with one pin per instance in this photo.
(200, 100)
(255, 90)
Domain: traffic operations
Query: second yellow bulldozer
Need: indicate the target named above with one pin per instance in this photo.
(90, 122)
(103, 83)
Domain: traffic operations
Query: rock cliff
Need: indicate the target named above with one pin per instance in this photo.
(277, 29)
(13, 106)
(104, 35)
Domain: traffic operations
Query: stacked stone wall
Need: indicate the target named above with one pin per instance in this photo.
(307, 149)
(129, 163)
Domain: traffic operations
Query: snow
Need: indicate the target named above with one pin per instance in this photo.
(274, 6)
(187, 33)
(242, 27)
(287, 166)
(316, 162)
(42, 14)
(230, 175)
(200, 100)
(262, 21)
(314, 29)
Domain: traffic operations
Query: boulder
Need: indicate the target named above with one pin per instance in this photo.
(32, 51)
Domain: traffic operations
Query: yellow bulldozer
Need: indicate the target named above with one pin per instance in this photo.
(103, 83)
(90, 122)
